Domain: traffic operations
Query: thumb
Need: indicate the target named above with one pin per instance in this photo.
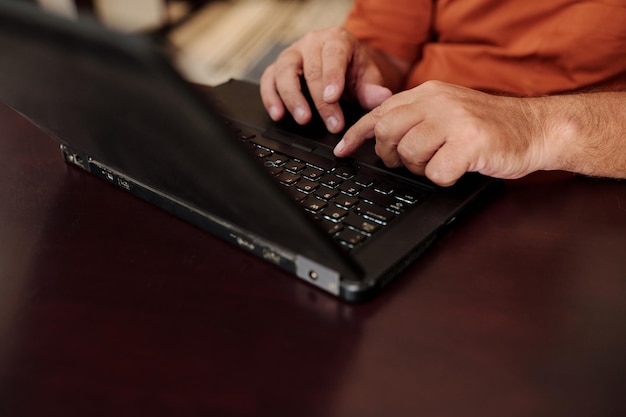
(372, 95)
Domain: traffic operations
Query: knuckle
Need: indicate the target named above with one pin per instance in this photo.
(414, 167)
(318, 37)
(268, 73)
(410, 158)
(433, 85)
(383, 129)
(439, 94)
(406, 150)
(378, 114)
(288, 58)
(324, 109)
(289, 53)
(331, 32)
(313, 72)
(380, 133)
(333, 49)
(439, 176)
(286, 71)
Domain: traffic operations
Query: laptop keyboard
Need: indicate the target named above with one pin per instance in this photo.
(352, 203)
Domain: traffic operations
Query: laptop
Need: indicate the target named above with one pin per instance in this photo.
(212, 156)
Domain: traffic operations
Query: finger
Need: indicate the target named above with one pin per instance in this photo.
(287, 72)
(269, 95)
(332, 115)
(388, 122)
(369, 89)
(361, 131)
(336, 56)
(419, 144)
(336, 53)
(385, 123)
(391, 129)
(448, 164)
(325, 75)
(370, 96)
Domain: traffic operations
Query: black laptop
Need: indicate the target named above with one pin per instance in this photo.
(213, 157)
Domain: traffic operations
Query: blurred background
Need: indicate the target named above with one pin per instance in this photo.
(215, 40)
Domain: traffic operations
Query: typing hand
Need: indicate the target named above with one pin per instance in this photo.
(442, 131)
(333, 63)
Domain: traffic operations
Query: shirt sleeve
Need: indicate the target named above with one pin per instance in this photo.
(399, 27)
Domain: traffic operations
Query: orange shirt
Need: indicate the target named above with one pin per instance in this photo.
(522, 47)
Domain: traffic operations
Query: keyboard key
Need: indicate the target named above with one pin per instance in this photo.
(331, 181)
(312, 173)
(345, 171)
(346, 201)
(294, 166)
(350, 188)
(319, 162)
(409, 196)
(350, 237)
(326, 194)
(288, 179)
(358, 222)
(377, 198)
(384, 187)
(331, 227)
(261, 153)
(334, 212)
(245, 136)
(274, 171)
(307, 186)
(314, 204)
(374, 213)
(363, 180)
(296, 194)
(276, 160)
(398, 206)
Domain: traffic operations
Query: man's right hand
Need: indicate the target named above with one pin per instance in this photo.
(333, 63)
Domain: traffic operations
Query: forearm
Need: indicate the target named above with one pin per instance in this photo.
(584, 133)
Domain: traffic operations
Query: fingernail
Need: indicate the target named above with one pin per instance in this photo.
(299, 114)
(274, 113)
(329, 92)
(340, 147)
(332, 123)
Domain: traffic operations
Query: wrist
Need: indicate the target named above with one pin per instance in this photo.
(584, 133)
(554, 129)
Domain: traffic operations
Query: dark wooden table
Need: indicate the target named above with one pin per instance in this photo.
(111, 307)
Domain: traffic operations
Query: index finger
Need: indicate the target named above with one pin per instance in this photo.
(360, 132)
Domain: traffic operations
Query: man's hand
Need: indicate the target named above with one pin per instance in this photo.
(443, 131)
(333, 63)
